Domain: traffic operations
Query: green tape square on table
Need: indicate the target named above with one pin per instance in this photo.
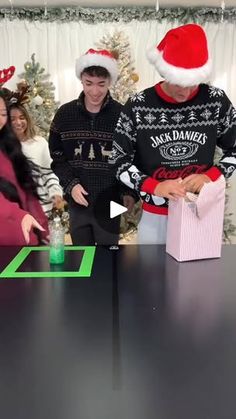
(85, 268)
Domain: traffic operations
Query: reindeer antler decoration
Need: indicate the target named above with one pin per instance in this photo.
(6, 74)
(20, 95)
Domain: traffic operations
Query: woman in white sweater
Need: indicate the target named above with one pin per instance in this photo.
(36, 149)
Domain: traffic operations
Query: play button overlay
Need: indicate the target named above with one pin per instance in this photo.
(110, 213)
(107, 210)
(116, 209)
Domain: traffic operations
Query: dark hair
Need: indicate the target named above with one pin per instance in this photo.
(97, 71)
(9, 191)
(11, 146)
(30, 130)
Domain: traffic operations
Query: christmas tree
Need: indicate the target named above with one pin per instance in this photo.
(91, 155)
(118, 44)
(40, 95)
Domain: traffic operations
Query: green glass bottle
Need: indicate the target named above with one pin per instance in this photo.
(57, 234)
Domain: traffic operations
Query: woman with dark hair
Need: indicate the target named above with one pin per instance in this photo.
(36, 149)
(22, 219)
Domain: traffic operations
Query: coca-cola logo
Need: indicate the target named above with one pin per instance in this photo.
(178, 151)
(163, 173)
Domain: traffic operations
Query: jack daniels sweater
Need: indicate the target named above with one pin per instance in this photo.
(156, 140)
(80, 143)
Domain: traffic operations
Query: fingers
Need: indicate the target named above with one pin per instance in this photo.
(178, 190)
(188, 179)
(84, 192)
(28, 222)
(81, 200)
(26, 235)
(172, 197)
(170, 189)
(78, 193)
(36, 225)
(57, 199)
(193, 187)
(194, 183)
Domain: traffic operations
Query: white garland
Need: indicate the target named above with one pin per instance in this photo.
(125, 14)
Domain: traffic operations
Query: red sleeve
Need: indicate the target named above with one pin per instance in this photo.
(149, 185)
(10, 220)
(213, 173)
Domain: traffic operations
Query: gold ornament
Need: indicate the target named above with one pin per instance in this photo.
(35, 91)
(134, 77)
(48, 103)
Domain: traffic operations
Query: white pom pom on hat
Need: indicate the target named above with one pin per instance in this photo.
(182, 56)
(101, 58)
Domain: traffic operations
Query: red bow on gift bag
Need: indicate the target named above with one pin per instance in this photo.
(6, 74)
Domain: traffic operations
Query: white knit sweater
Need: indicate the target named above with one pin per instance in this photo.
(36, 149)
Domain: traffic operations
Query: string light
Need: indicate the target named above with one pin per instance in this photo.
(11, 4)
(45, 8)
(222, 5)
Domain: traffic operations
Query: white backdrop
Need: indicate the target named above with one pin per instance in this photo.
(57, 45)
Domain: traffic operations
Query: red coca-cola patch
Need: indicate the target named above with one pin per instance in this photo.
(164, 173)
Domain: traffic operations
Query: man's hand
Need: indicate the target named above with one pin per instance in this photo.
(28, 222)
(58, 202)
(128, 202)
(194, 183)
(171, 189)
(78, 193)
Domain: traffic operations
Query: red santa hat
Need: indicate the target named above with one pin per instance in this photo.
(182, 56)
(101, 58)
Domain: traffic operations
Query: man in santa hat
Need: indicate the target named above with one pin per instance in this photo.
(80, 143)
(166, 135)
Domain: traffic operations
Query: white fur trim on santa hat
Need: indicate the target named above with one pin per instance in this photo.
(178, 75)
(89, 60)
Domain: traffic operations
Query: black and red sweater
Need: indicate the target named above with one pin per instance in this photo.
(156, 140)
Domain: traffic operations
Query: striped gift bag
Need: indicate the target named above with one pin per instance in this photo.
(195, 223)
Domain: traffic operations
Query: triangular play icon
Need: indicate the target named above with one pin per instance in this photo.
(116, 209)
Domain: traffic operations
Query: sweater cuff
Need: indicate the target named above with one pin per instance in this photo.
(213, 173)
(149, 185)
(70, 186)
(55, 190)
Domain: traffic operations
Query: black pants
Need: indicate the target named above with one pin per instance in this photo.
(86, 229)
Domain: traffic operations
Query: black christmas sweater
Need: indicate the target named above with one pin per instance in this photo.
(156, 140)
(80, 143)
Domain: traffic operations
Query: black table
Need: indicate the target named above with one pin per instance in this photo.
(143, 337)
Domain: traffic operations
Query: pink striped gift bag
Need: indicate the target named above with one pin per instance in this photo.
(195, 223)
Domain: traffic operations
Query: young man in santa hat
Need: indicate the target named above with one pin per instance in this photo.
(166, 135)
(80, 143)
